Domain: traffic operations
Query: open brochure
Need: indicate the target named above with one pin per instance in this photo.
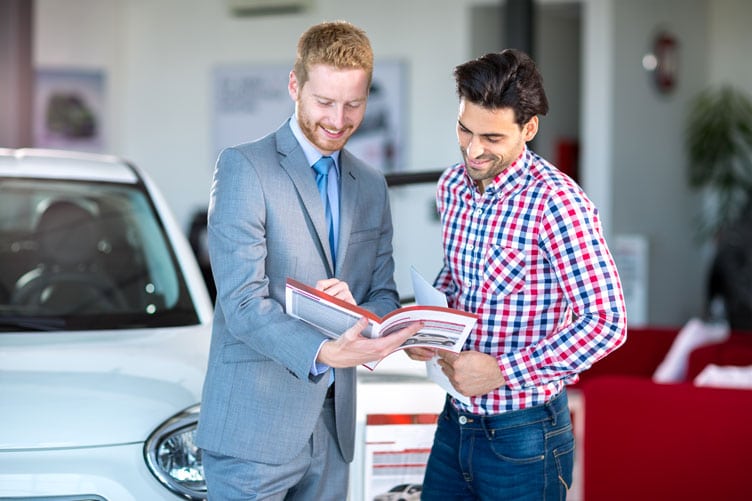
(444, 328)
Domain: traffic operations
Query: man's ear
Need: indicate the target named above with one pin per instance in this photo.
(530, 129)
(292, 86)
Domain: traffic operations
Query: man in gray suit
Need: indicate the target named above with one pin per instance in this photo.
(278, 410)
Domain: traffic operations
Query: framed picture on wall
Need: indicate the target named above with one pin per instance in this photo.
(250, 101)
(68, 109)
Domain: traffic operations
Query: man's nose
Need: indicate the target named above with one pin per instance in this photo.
(337, 116)
(474, 148)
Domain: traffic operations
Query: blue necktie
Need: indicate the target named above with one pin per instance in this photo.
(322, 167)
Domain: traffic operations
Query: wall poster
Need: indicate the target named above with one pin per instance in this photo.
(68, 109)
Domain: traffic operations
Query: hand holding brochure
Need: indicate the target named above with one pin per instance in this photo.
(444, 328)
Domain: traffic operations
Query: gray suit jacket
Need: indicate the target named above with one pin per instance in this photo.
(266, 223)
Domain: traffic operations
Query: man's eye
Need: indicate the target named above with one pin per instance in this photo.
(354, 106)
(325, 103)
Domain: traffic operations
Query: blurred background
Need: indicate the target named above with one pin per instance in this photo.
(168, 83)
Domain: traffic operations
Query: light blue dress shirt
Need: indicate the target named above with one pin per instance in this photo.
(313, 155)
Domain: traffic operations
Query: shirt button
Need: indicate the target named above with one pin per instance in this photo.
(463, 420)
(478, 212)
(470, 247)
(468, 283)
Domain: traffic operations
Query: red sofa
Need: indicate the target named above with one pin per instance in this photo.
(644, 441)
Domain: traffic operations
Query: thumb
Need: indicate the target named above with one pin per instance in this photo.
(356, 329)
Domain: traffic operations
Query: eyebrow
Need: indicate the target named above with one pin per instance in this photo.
(488, 135)
(324, 98)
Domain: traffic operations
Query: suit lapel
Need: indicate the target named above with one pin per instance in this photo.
(294, 162)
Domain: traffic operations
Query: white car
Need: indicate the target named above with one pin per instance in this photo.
(104, 334)
(401, 492)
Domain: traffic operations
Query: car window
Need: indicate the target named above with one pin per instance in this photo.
(90, 255)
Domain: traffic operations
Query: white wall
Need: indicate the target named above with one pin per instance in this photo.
(158, 56)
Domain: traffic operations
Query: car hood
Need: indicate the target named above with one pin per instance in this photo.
(96, 388)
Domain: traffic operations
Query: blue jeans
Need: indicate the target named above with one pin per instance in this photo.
(522, 455)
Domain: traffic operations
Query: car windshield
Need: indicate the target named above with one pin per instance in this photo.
(80, 255)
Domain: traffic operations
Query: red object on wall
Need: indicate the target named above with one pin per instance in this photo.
(568, 157)
(666, 49)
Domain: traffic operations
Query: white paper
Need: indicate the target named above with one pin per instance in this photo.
(435, 374)
(427, 295)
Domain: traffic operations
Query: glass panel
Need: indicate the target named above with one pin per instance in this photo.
(88, 255)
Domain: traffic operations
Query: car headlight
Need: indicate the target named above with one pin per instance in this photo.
(172, 455)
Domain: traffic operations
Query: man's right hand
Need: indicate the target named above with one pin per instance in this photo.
(352, 349)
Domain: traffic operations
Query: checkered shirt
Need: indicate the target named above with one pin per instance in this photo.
(528, 257)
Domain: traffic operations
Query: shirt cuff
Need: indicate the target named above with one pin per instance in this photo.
(319, 368)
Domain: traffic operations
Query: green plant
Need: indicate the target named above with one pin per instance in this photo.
(719, 144)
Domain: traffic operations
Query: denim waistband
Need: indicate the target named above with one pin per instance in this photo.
(550, 410)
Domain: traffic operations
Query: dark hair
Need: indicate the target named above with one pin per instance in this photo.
(506, 79)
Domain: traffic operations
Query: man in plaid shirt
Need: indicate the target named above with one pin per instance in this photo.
(525, 252)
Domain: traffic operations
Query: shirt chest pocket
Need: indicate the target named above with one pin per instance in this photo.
(505, 272)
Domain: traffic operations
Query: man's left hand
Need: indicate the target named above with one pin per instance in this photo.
(336, 288)
(472, 373)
